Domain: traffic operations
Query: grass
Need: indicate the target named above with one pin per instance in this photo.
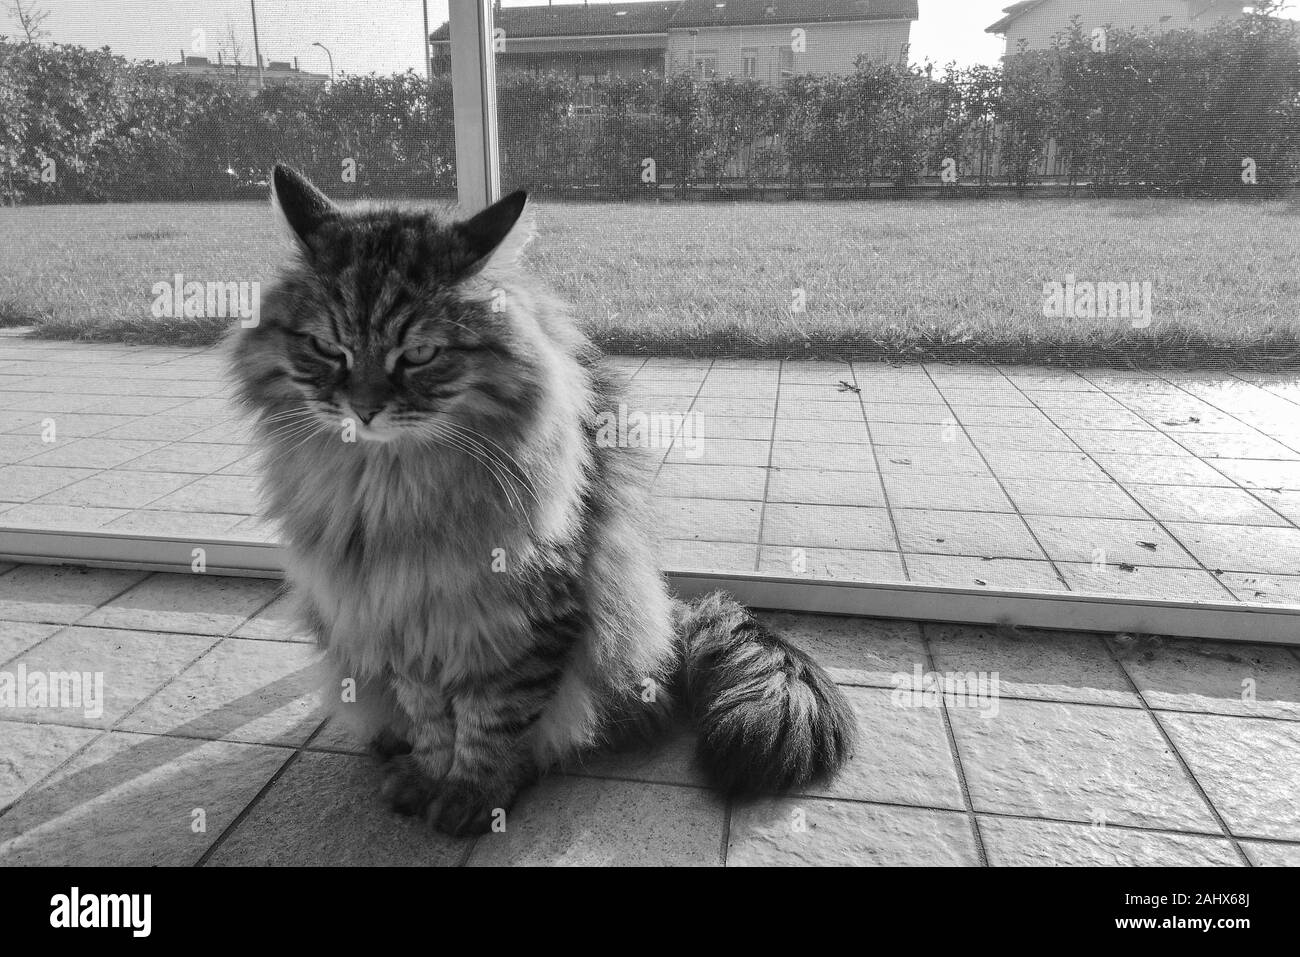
(902, 281)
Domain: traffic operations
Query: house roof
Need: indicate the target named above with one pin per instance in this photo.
(1012, 14)
(713, 13)
(615, 19)
(579, 20)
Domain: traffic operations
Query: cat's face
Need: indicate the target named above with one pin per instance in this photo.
(387, 326)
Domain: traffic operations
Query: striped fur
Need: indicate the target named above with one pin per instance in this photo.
(476, 566)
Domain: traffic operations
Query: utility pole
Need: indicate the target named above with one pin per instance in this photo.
(428, 62)
(257, 47)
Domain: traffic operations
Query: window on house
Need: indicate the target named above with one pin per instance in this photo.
(785, 61)
(705, 64)
(749, 61)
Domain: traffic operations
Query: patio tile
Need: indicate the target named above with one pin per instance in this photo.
(855, 651)
(721, 452)
(326, 811)
(173, 524)
(258, 692)
(671, 760)
(1007, 418)
(214, 493)
(28, 752)
(845, 431)
(161, 428)
(276, 622)
(1015, 842)
(944, 435)
(1076, 762)
(71, 425)
(1263, 589)
(1072, 499)
(1144, 581)
(998, 574)
(1220, 678)
(23, 483)
(977, 534)
(1260, 474)
(835, 457)
(131, 800)
(711, 481)
(920, 463)
(60, 517)
(197, 457)
(1044, 466)
(890, 412)
(60, 593)
(1263, 854)
(196, 604)
(746, 407)
(17, 637)
(1160, 470)
(714, 520)
(1241, 547)
(1193, 503)
(965, 493)
(809, 487)
(134, 664)
(1110, 541)
(679, 554)
(593, 822)
(828, 526)
(117, 489)
(1235, 445)
(902, 756)
(1249, 768)
(1285, 503)
(1073, 419)
(735, 427)
(836, 564)
(1027, 440)
(808, 831)
(805, 410)
(1119, 442)
(93, 453)
(1043, 665)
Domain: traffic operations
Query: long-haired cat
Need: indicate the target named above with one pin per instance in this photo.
(462, 544)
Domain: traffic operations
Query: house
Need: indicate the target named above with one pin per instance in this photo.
(765, 39)
(1033, 24)
(273, 72)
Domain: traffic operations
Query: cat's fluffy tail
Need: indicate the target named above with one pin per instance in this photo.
(769, 717)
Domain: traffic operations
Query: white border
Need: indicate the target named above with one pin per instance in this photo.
(1273, 624)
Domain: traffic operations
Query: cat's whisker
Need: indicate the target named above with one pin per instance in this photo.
(514, 469)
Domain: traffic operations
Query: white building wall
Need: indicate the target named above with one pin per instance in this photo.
(827, 47)
(1038, 27)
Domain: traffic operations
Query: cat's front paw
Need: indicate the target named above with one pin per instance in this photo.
(407, 788)
(463, 808)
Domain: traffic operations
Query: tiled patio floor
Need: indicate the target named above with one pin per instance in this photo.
(210, 749)
(1167, 485)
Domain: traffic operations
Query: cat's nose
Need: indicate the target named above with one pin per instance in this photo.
(367, 412)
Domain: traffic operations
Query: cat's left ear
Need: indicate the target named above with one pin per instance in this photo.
(500, 232)
(301, 205)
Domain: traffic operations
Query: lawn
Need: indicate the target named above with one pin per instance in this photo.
(903, 280)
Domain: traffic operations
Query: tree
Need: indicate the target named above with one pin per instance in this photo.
(30, 17)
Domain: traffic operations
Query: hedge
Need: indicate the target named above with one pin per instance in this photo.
(1178, 111)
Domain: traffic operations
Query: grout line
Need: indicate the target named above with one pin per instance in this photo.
(955, 753)
(248, 808)
(1178, 756)
(767, 479)
(726, 832)
(1158, 523)
(880, 476)
(998, 478)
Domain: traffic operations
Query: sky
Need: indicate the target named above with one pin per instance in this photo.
(383, 35)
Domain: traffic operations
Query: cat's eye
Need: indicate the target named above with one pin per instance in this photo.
(326, 348)
(419, 355)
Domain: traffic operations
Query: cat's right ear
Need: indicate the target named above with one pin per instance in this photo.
(301, 205)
